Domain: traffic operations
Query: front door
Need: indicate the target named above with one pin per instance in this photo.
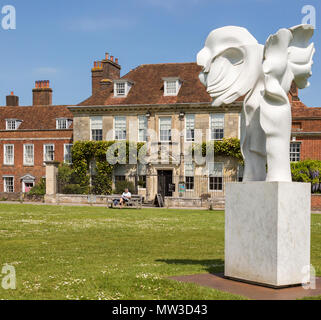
(28, 186)
(165, 179)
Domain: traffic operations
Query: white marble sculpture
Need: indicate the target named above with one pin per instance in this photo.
(235, 64)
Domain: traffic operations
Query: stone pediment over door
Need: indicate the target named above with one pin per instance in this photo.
(28, 178)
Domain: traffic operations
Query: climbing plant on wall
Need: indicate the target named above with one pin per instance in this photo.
(227, 147)
(86, 154)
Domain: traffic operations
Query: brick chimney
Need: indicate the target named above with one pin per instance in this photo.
(111, 68)
(42, 93)
(96, 76)
(12, 100)
(294, 92)
(104, 72)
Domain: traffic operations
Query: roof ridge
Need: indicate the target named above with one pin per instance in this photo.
(165, 63)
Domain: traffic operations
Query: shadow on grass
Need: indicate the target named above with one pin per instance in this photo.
(211, 266)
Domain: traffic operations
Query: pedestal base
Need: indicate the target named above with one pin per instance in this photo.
(267, 232)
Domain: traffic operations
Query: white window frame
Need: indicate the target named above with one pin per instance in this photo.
(190, 115)
(5, 154)
(115, 122)
(144, 130)
(212, 126)
(65, 153)
(24, 154)
(67, 123)
(96, 127)
(295, 153)
(178, 85)
(185, 175)
(44, 151)
(209, 176)
(5, 185)
(16, 122)
(125, 90)
(159, 129)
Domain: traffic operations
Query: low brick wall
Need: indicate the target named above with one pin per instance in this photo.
(18, 196)
(316, 202)
(15, 196)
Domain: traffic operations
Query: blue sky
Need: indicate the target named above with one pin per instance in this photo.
(59, 40)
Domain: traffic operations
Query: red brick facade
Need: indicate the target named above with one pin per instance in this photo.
(37, 126)
(306, 129)
(38, 139)
(316, 202)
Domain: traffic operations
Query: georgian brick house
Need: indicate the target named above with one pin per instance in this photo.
(30, 135)
(306, 130)
(160, 97)
(168, 97)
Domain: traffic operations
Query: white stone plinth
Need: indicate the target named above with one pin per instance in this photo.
(267, 232)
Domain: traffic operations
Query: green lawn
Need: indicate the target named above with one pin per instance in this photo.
(98, 253)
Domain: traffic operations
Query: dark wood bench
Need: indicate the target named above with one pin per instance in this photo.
(136, 201)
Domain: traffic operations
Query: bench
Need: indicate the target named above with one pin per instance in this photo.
(135, 201)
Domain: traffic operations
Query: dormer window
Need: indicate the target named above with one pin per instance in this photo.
(63, 123)
(171, 86)
(122, 88)
(13, 124)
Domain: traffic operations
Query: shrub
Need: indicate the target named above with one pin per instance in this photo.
(72, 189)
(69, 182)
(308, 171)
(101, 184)
(120, 186)
(39, 189)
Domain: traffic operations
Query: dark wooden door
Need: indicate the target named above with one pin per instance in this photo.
(165, 179)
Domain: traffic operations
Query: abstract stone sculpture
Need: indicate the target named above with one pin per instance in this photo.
(235, 64)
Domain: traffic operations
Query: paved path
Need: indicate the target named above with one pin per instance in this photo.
(93, 205)
(103, 205)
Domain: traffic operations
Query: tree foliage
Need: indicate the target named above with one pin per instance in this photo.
(39, 189)
(308, 171)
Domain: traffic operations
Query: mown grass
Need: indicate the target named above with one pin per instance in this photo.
(98, 253)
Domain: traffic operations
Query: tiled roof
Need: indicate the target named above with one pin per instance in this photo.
(148, 86)
(300, 110)
(34, 117)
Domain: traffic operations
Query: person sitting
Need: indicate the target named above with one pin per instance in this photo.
(126, 196)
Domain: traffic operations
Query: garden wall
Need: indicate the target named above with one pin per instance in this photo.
(213, 203)
(76, 199)
(316, 202)
(18, 196)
